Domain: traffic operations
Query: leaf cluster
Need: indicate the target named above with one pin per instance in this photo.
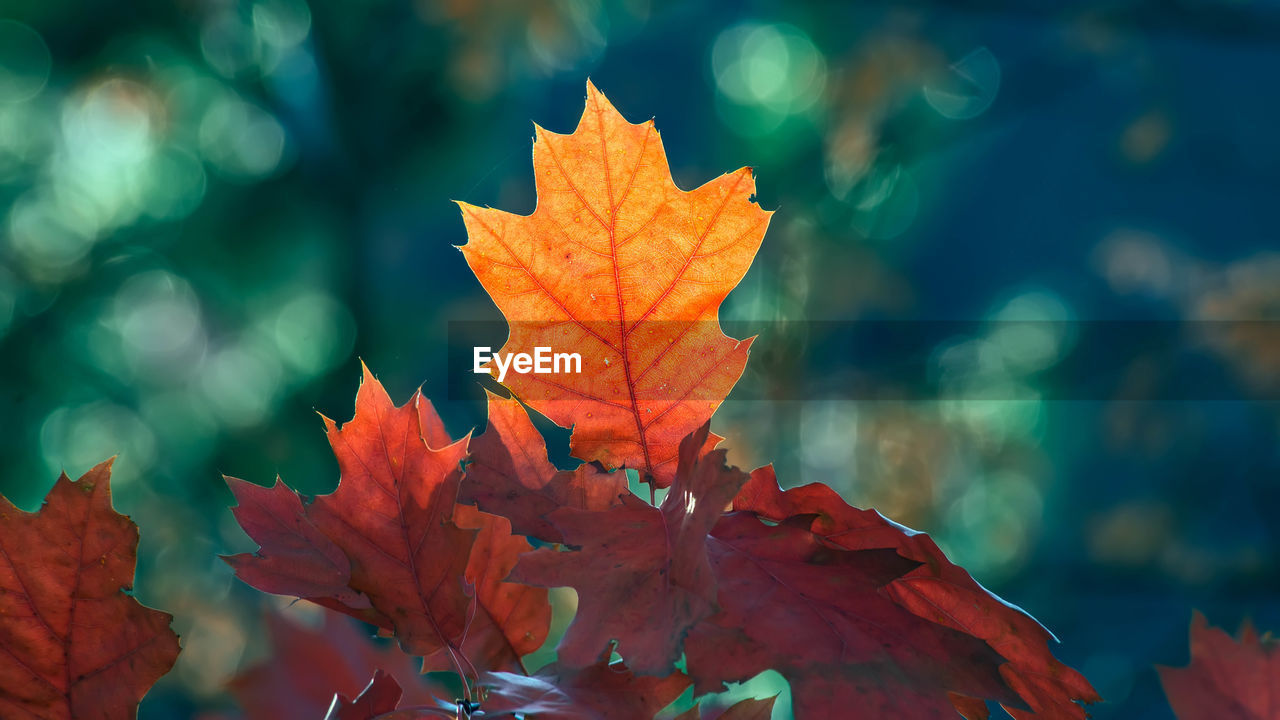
(450, 546)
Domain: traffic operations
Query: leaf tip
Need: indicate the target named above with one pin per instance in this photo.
(99, 474)
(371, 391)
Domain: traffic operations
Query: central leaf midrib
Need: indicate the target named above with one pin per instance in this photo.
(623, 335)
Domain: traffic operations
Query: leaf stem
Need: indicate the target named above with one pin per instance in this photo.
(466, 684)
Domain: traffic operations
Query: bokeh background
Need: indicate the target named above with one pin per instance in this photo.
(210, 210)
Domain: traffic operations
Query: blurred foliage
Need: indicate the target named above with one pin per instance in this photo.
(210, 209)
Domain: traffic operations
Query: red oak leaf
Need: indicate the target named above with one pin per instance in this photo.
(815, 613)
(75, 643)
(308, 667)
(749, 709)
(642, 573)
(386, 546)
(600, 691)
(510, 475)
(624, 268)
(391, 517)
(1226, 678)
(936, 590)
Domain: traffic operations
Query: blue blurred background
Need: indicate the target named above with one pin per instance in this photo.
(210, 210)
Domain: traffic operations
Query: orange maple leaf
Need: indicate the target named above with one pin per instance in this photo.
(624, 268)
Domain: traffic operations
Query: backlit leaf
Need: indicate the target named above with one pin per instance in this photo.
(619, 265)
(387, 547)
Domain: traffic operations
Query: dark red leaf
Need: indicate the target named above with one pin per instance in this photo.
(1226, 678)
(815, 613)
(296, 558)
(380, 696)
(642, 574)
(510, 475)
(75, 643)
(308, 667)
(937, 590)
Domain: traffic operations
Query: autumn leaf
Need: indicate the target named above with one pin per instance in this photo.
(1236, 679)
(386, 546)
(642, 573)
(937, 590)
(379, 697)
(510, 475)
(791, 602)
(76, 644)
(599, 691)
(296, 557)
(619, 265)
(307, 667)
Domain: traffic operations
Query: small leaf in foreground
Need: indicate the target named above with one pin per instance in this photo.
(75, 643)
(379, 697)
(1236, 679)
(307, 667)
